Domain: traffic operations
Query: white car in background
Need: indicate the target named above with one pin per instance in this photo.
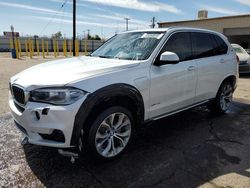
(244, 58)
(95, 102)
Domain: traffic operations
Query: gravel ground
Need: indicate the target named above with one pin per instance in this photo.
(10, 67)
(191, 149)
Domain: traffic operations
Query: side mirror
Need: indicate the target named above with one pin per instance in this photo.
(168, 58)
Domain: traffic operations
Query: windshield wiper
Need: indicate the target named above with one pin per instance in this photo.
(107, 57)
(103, 56)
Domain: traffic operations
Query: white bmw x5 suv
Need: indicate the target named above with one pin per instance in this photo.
(95, 102)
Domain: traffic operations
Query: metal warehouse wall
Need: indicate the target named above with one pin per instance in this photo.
(216, 24)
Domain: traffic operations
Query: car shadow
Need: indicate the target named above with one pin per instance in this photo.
(184, 150)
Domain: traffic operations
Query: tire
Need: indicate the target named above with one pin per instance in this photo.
(110, 133)
(223, 99)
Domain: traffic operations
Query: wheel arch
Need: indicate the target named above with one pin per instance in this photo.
(113, 95)
(231, 79)
(215, 104)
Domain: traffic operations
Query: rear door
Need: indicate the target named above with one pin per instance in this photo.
(211, 57)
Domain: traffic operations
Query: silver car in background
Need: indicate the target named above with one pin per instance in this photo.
(244, 58)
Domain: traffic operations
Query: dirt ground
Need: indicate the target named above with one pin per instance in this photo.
(192, 149)
(10, 67)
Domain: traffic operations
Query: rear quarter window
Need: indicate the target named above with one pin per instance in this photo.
(220, 45)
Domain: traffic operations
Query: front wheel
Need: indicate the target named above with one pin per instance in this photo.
(223, 98)
(110, 132)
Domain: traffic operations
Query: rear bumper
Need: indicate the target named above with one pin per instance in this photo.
(53, 129)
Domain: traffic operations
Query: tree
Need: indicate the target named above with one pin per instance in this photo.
(57, 35)
(97, 37)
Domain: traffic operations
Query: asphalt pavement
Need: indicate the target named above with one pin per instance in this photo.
(192, 149)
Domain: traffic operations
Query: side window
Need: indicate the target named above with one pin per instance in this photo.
(202, 44)
(220, 46)
(179, 43)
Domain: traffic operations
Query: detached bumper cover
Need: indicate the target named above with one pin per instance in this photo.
(40, 128)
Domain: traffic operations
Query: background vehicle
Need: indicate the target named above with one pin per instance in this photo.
(244, 57)
(96, 102)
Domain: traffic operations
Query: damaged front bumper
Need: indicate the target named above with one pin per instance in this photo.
(45, 124)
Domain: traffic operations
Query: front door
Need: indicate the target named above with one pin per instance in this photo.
(173, 86)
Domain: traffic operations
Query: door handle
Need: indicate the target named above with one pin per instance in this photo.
(222, 61)
(191, 68)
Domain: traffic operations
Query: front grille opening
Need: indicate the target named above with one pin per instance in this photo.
(21, 109)
(56, 135)
(18, 94)
(23, 130)
(10, 89)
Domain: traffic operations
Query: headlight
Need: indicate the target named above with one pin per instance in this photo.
(57, 96)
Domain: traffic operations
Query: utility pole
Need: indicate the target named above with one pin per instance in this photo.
(12, 32)
(153, 22)
(88, 37)
(102, 32)
(74, 26)
(13, 50)
(127, 19)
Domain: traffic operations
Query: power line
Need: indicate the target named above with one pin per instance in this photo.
(62, 17)
(57, 12)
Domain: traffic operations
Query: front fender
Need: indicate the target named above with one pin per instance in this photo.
(105, 94)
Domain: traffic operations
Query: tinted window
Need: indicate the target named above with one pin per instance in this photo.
(180, 44)
(202, 44)
(220, 46)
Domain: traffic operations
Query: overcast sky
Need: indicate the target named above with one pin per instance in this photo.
(105, 17)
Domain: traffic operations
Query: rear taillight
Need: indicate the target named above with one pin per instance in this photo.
(237, 58)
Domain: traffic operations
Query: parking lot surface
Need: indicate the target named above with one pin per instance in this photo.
(192, 149)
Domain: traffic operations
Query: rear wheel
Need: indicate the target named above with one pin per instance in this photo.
(110, 132)
(223, 98)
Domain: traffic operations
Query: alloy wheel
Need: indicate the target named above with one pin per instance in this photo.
(113, 134)
(226, 97)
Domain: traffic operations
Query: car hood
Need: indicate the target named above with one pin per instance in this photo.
(64, 71)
